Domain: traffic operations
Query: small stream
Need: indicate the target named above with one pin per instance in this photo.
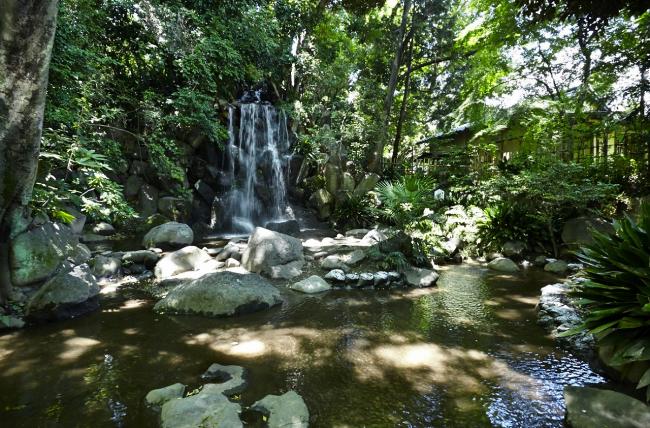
(467, 353)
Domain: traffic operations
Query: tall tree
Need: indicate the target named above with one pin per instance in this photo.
(376, 159)
(27, 30)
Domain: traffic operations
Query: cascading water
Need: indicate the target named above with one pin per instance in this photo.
(255, 163)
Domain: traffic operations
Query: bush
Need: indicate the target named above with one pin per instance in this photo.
(354, 211)
(404, 200)
(616, 295)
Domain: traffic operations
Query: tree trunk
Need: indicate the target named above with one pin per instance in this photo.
(405, 98)
(376, 158)
(27, 30)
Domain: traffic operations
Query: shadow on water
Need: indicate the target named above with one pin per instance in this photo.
(467, 353)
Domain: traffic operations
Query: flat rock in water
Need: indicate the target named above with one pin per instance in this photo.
(557, 267)
(284, 411)
(160, 396)
(220, 294)
(336, 275)
(313, 284)
(591, 408)
(183, 260)
(232, 378)
(418, 277)
(502, 264)
(171, 234)
(207, 409)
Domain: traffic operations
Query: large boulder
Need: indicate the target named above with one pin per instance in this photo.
(367, 183)
(132, 186)
(332, 178)
(284, 411)
(205, 191)
(167, 235)
(591, 407)
(220, 294)
(502, 264)
(347, 182)
(80, 254)
(558, 267)
(267, 249)
(322, 201)
(66, 295)
(313, 284)
(104, 229)
(577, 231)
(104, 267)
(183, 260)
(141, 257)
(207, 409)
(288, 227)
(418, 277)
(37, 254)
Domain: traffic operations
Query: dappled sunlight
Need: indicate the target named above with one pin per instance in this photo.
(77, 346)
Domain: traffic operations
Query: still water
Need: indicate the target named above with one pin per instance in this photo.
(467, 353)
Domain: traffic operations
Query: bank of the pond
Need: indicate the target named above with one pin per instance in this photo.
(466, 353)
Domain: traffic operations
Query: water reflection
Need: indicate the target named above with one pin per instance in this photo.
(467, 354)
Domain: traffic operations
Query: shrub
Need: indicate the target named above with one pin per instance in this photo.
(404, 200)
(354, 211)
(616, 295)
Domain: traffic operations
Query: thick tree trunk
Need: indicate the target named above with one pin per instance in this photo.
(26, 36)
(376, 158)
(405, 98)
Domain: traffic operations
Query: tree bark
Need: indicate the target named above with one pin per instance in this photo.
(376, 158)
(405, 98)
(27, 30)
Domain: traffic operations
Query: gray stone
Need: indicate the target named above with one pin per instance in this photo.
(332, 178)
(366, 279)
(227, 251)
(220, 294)
(105, 267)
(148, 200)
(288, 227)
(394, 277)
(351, 278)
(374, 236)
(336, 276)
(183, 260)
(80, 254)
(322, 201)
(267, 249)
(367, 183)
(334, 261)
(232, 378)
(313, 284)
(139, 167)
(160, 396)
(287, 271)
(65, 295)
(174, 208)
(502, 264)
(591, 407)
(207, 409)
(577, 231)
(144, 257)
(357, 233)
(132, 186)
(558, 267)
(354, 258)
(540, 261)
(513, 249)
(10, 322)
(206, 192)
(418, 277)
(37, 254)
(104, 229)
(77, 225)
(170, 234)
(284, 411)
(380, 279)
(231, 263)
(347, 182)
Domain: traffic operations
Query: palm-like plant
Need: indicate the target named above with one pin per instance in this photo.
(405, 199)
(616, 295)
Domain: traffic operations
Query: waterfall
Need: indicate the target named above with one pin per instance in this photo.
(255, 162)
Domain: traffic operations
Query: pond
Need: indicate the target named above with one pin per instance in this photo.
(467, 353)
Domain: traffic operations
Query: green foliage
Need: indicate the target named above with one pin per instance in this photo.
(392, 261)
(616, 295)
(353, 211)
(404, 200)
